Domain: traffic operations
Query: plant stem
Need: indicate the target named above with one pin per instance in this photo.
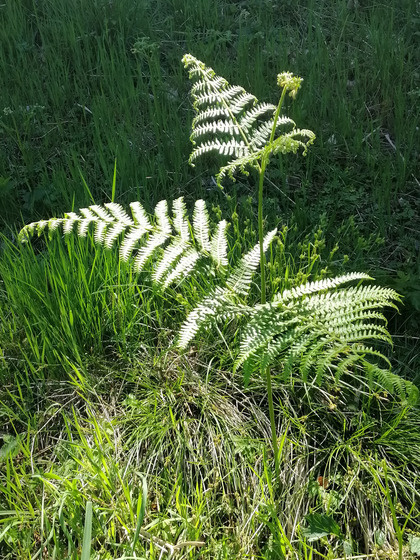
(264, 163)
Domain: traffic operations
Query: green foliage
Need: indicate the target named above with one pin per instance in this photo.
(320, 525)
(313, 328)
(182, 251)
(199, 438)
(231, 122)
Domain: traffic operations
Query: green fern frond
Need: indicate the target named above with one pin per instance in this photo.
(233, 123)
(392, 383)
(317, 327)
(173, 242)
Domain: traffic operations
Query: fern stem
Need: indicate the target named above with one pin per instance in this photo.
(261, 228)
(261, 172)
(277, 115)
(263, 300)
(273, 424)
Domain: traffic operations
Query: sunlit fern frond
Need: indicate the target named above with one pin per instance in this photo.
(309, 332)
(226, 302)
(171, 240)
(322, 328)
(233, 123)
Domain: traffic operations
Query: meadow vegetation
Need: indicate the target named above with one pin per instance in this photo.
(114, 441)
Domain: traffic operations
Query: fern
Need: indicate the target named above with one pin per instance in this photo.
(322, 328)
(308, 331)
(175, 251)
(232, 122)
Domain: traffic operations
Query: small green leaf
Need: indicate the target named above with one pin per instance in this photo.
(348, 547)
(10, 448)
(320, 525)
(379, 537)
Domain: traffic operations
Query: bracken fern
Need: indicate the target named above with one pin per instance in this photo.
(320, 328)
(307, 333)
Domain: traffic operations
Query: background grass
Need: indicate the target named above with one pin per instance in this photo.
(92, 401)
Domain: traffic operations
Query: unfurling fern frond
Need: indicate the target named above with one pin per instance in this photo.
(234, 123)
(166, 238)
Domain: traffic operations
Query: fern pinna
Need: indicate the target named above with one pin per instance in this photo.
(231, 121)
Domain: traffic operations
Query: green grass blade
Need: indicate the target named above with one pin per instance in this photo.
(141, 510)
(87, 533)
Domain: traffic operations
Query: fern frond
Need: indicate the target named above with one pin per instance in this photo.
(240, 280)
(393, 384)
(245, 124)
(70, 220)
(208, 86)
(180, 221)
(165, 239)
(317, 327)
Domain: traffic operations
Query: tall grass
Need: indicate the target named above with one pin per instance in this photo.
(96, 407)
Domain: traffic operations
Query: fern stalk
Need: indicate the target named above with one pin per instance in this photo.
(261, 172)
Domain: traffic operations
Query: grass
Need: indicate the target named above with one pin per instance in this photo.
(104, 428)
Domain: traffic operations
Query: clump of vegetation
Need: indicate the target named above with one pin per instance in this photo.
(209, 390)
